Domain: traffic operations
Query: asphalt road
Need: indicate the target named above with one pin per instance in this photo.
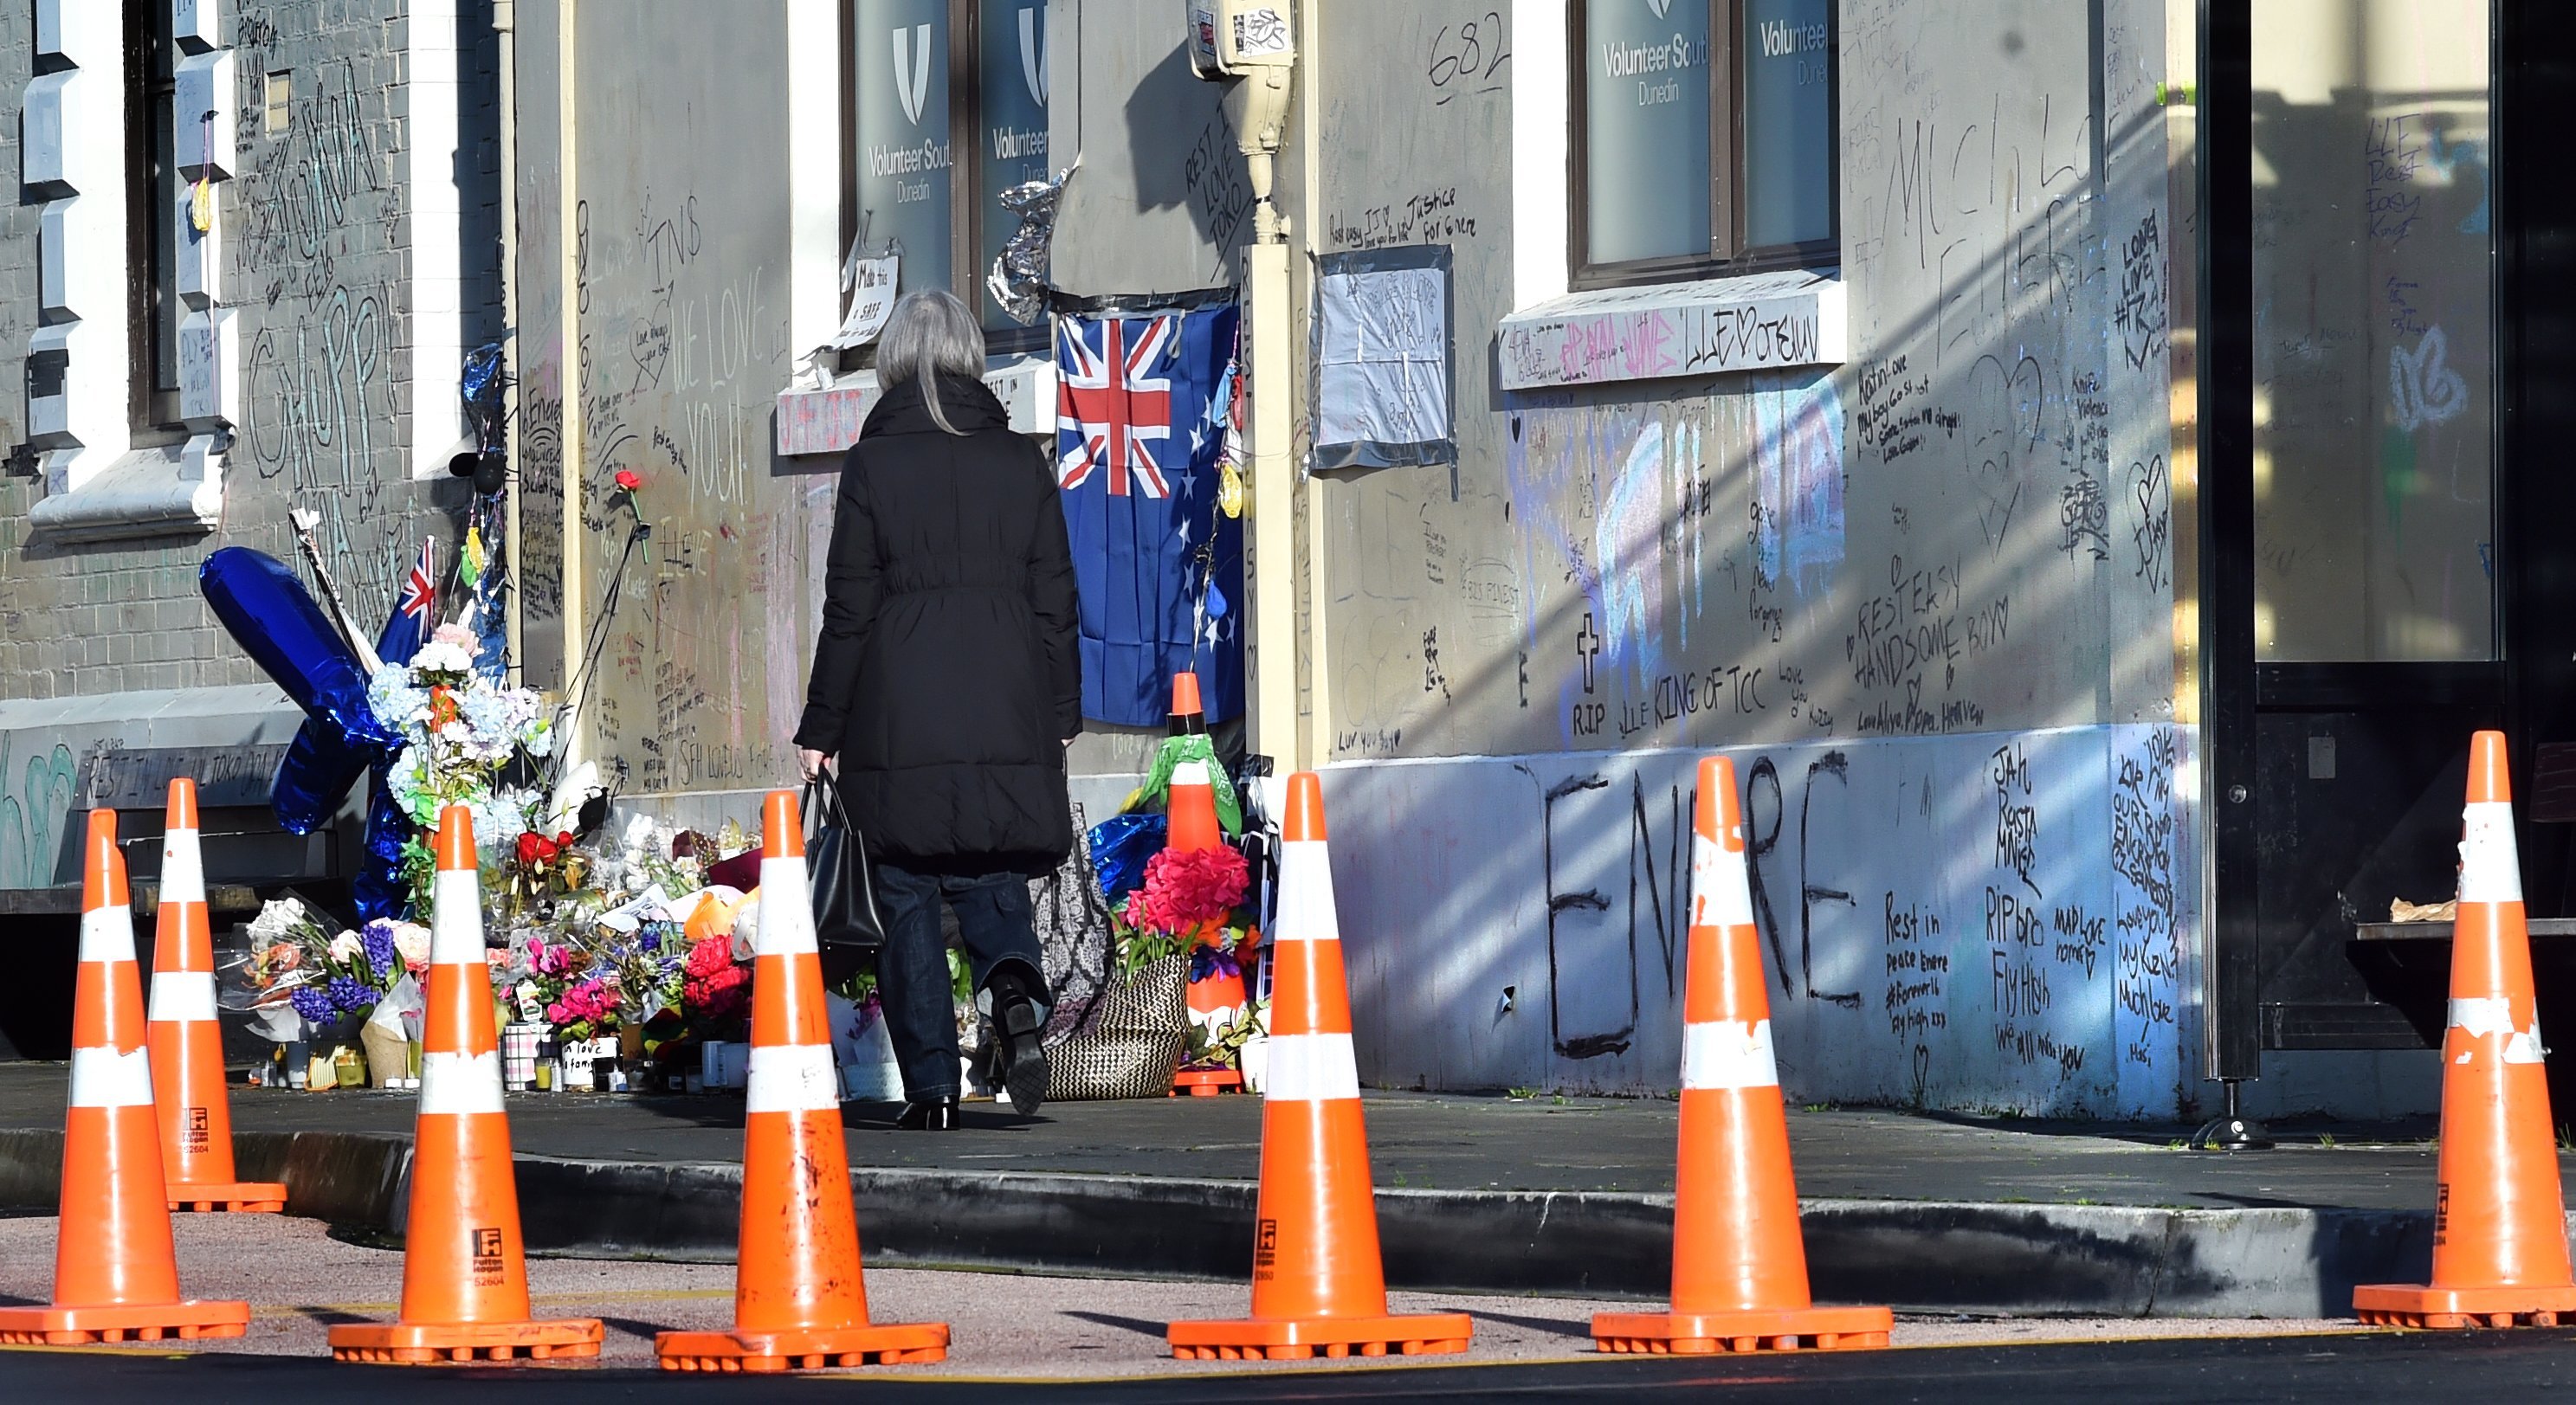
(1035, 1338)
(2382, 1366)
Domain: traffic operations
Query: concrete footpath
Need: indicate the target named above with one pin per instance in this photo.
(1565, 1197)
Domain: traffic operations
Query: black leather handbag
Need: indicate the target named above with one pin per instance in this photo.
(847, 925)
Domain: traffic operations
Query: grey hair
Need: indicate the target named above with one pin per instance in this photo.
(930, 333)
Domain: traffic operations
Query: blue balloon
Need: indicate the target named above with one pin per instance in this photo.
(1121, 846)
(270, 614)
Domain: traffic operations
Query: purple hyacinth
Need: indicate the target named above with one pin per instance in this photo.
(351, 996)
(312, 1002)
(377, 942)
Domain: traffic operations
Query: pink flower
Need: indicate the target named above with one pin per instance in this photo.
(1186, 888)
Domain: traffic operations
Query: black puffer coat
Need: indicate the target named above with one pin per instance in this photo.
(947, 676)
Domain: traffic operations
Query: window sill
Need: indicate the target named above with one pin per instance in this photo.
(159, 492)
(1754, 322)
(812, 422)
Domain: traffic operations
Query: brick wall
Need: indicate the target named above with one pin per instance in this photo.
(314, 259)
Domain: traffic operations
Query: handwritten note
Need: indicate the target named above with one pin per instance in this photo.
(872, 292)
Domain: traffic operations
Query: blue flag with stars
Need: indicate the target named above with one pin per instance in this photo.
(1141, 410)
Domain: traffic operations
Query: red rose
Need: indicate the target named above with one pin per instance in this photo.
(563, 839)
(629, 480)
(528, 846)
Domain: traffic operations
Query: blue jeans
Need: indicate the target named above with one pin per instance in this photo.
(996, 923)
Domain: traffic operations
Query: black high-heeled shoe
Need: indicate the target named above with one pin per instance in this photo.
(935, 1115)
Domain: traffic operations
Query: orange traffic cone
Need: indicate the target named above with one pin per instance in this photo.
(1317, 1281)
(187, 1046)
(1191, 814)
(1187, 715)
(2499, 1222)
(465, 1273)
(116, 1273)
(1739, 1262)
(799, 1296)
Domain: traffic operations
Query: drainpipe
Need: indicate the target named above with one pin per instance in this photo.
(1257, 103)
(505, 24)
(574, 746)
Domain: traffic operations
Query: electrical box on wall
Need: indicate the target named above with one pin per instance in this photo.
(1230, 37)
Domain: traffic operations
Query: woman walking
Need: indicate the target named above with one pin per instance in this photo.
(948, 683)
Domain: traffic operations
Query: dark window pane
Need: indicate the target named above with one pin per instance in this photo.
(905, 156)
(1645, 171)
(1011, 128)
(1788, 121)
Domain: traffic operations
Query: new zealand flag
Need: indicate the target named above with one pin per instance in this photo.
(1139, 423)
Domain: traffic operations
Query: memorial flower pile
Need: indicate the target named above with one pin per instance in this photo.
(461, 730)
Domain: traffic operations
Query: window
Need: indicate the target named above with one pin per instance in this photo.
(919, 75)
(1704, 137)
(154, 206)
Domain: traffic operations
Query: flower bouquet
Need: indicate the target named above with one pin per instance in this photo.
(307, 982)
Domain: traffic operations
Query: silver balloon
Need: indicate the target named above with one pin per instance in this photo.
(1018, 281)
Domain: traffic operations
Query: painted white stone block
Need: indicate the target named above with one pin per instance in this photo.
(1763, 322)
(41, 128)
(208, 352)
(202, 115)
(49, 411)
(198, 24)
(53, 260)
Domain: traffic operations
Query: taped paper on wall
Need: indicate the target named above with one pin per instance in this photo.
(1382, 341)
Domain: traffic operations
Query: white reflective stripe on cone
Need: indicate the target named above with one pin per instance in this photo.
(456, 918)
(786, 909)
(181, 996)
(1721, 895)
(183, 868)
(105, 1078)
(1306, 911)
(2490, 868)
(107, 934)
(1728, 1054)
(1310, 1068)
(458, 1083)
(2478, 1016)
(1190, 773)
(791, 1077)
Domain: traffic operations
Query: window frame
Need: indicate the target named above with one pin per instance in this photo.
(1728, 253)
(151, 213)
(965, 174)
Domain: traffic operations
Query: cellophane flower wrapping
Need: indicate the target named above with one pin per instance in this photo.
(299, 960)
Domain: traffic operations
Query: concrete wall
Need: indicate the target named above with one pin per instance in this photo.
(1927, 598)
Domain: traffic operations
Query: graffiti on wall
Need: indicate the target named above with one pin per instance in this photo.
(35, 813)
(1935, 922)
(317, 255)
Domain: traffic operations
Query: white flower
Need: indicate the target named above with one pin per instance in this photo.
(441, 656)
(346, 947)
(412, 940)
(277, 917)
(392, 698)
